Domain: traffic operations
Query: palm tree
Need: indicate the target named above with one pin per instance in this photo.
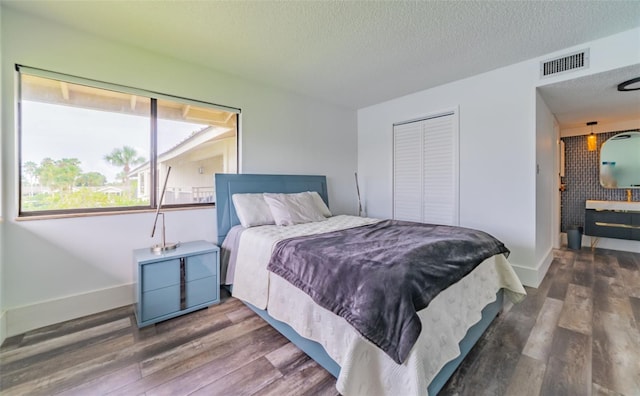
(124, 157)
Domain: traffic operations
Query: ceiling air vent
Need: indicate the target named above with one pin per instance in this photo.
(576, 61)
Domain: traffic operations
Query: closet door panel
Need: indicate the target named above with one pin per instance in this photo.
(407, 177)
(425, 170)
(440, 179)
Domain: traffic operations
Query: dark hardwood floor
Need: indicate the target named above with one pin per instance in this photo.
(577, 334)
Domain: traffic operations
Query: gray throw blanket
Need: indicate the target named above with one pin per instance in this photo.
(378, 276)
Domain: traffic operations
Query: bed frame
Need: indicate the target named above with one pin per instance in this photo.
(229, 184)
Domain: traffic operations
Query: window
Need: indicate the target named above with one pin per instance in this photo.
(88, 146)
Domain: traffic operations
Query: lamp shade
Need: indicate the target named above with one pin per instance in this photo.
(592, 142)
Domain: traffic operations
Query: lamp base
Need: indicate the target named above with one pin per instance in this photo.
(160, 248)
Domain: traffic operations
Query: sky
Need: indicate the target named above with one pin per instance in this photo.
(57, 132)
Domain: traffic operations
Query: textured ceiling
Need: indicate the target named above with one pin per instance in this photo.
(349, 53)
(594, 98)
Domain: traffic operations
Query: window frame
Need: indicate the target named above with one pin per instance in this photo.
(153, 149)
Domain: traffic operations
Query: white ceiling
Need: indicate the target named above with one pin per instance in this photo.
(594, 98)
(354, 53)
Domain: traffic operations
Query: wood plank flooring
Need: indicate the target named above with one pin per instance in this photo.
(577, 334)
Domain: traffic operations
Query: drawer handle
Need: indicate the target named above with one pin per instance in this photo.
(616, 225)
(183, 276)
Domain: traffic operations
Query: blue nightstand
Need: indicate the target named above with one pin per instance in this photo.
(175, 282)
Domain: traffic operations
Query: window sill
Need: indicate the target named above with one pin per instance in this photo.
(110, 213)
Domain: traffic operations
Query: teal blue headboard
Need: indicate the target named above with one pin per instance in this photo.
(229, 184)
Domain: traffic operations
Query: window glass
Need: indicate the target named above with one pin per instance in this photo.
(78, 145)
(196, 142)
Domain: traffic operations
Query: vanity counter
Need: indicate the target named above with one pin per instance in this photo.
(613, 205)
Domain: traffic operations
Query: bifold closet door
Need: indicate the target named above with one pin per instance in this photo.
(407, 171)
(425, 171)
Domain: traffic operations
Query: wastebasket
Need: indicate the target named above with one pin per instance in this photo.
(574, 237)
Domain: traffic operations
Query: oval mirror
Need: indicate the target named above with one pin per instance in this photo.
(620, 161)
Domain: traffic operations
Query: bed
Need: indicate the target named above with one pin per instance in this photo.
(451, 323)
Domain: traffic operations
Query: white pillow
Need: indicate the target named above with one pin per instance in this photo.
(290, 209)
(320, 203)
(252, 210)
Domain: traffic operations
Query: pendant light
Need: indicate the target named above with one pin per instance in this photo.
(592, 139)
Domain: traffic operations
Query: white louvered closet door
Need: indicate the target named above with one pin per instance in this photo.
(426, 171)
(407, 177)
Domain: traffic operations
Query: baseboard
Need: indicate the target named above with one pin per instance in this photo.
(622, 245)
(528, 276)
(544, 265)
(612, 244)
(3, 326)
(532, 277)
(30, 317)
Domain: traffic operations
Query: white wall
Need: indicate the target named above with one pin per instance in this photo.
(547, 194)
(59, 269)
(3, 323)
(498, 148)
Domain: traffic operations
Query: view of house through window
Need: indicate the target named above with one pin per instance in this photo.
(85, 149)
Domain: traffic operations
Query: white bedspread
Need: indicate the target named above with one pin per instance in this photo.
(365, 369)
(251, 281)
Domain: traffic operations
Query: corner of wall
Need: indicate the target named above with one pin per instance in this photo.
(3, 320)
(532, 277)
(3, 326)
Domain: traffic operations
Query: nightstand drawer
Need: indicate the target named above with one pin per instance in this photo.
(160, 302)
(160, 274)
(202, 290)
(201, 266)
